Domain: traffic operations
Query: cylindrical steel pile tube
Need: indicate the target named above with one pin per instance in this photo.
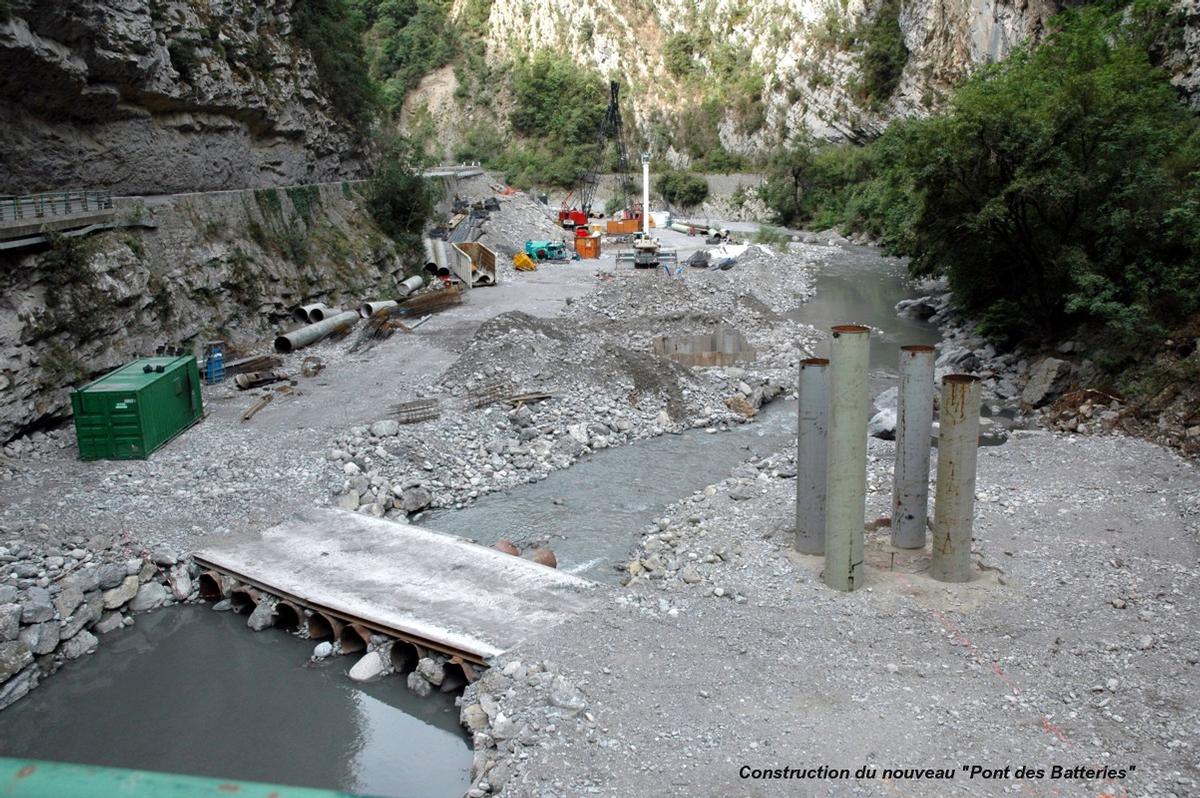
(846, 468)
(914, 423)
(298, 339)
(813, 425)
(369, 309)
(954, 505)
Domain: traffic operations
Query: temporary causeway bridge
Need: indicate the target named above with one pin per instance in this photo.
(350, 576)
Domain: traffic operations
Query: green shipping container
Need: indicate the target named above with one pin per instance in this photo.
(131, 412)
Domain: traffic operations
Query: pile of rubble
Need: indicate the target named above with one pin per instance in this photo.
(516, 706)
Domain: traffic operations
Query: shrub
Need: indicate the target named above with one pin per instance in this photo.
(883, 56)
(680, 52)
(184, 58)
(683, 189)
(397, 196)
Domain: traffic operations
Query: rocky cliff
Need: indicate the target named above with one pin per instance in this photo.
(164, 96)
(760, 71)
(223, 265)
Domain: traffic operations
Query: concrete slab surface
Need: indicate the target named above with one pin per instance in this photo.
(399, 578)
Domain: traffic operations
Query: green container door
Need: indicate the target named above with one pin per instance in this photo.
(133, 411)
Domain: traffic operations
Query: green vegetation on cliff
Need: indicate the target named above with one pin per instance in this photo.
(405, 40)
(333, 34)
(557, 112)
(1060, 191)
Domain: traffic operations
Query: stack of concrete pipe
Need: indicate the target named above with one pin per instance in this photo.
(406, 289)
(832, 464)
(298, 339)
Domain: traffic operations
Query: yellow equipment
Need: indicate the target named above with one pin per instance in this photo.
(524, 263)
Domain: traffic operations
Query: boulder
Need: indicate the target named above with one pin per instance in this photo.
(79, 645)
(164, 555)
(414, 500)
(109, 623)
(887, 400)
(40, 638)
(262, 617)
(919, 308)
(419, 685)
(14, 655)
(122, 593)
(111, 575)
(385, 429)
(507, 547)
(38, 607)
(10, 622)
(149, 596)
(566, 696)
(1048, 377)
(181, 582)
(431, 670)
(67, 600)
(371, 666)
(883, 425)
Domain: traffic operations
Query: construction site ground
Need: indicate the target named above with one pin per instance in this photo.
(1076, 645)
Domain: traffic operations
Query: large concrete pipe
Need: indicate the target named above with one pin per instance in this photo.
(298, 339)
(322, 312)
(914, 423)
(369, 309)
(813, 426)
(411, 285)
(304, 312)
(846, 472)
(954, 503)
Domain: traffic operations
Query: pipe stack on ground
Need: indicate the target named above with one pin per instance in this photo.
(914, 423)
(813, 425)
(298, 339)
(954, 505)
(305, 312)
(846, 477)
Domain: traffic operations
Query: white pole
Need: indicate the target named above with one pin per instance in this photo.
(910, 487)
(954, 505)
(813, 425)
(646, 193)
(846, 481)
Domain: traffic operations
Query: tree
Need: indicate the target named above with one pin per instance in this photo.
(1061, 189)
(682, 188)
(398, 197)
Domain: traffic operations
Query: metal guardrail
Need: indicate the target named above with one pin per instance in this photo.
(53, 203)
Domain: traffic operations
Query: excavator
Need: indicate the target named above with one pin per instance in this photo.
(576, 216)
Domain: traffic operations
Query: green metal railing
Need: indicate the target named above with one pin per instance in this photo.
(53, 203)
(31, 778)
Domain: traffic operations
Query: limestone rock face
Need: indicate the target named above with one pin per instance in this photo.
(804, 50)
(172, 96)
